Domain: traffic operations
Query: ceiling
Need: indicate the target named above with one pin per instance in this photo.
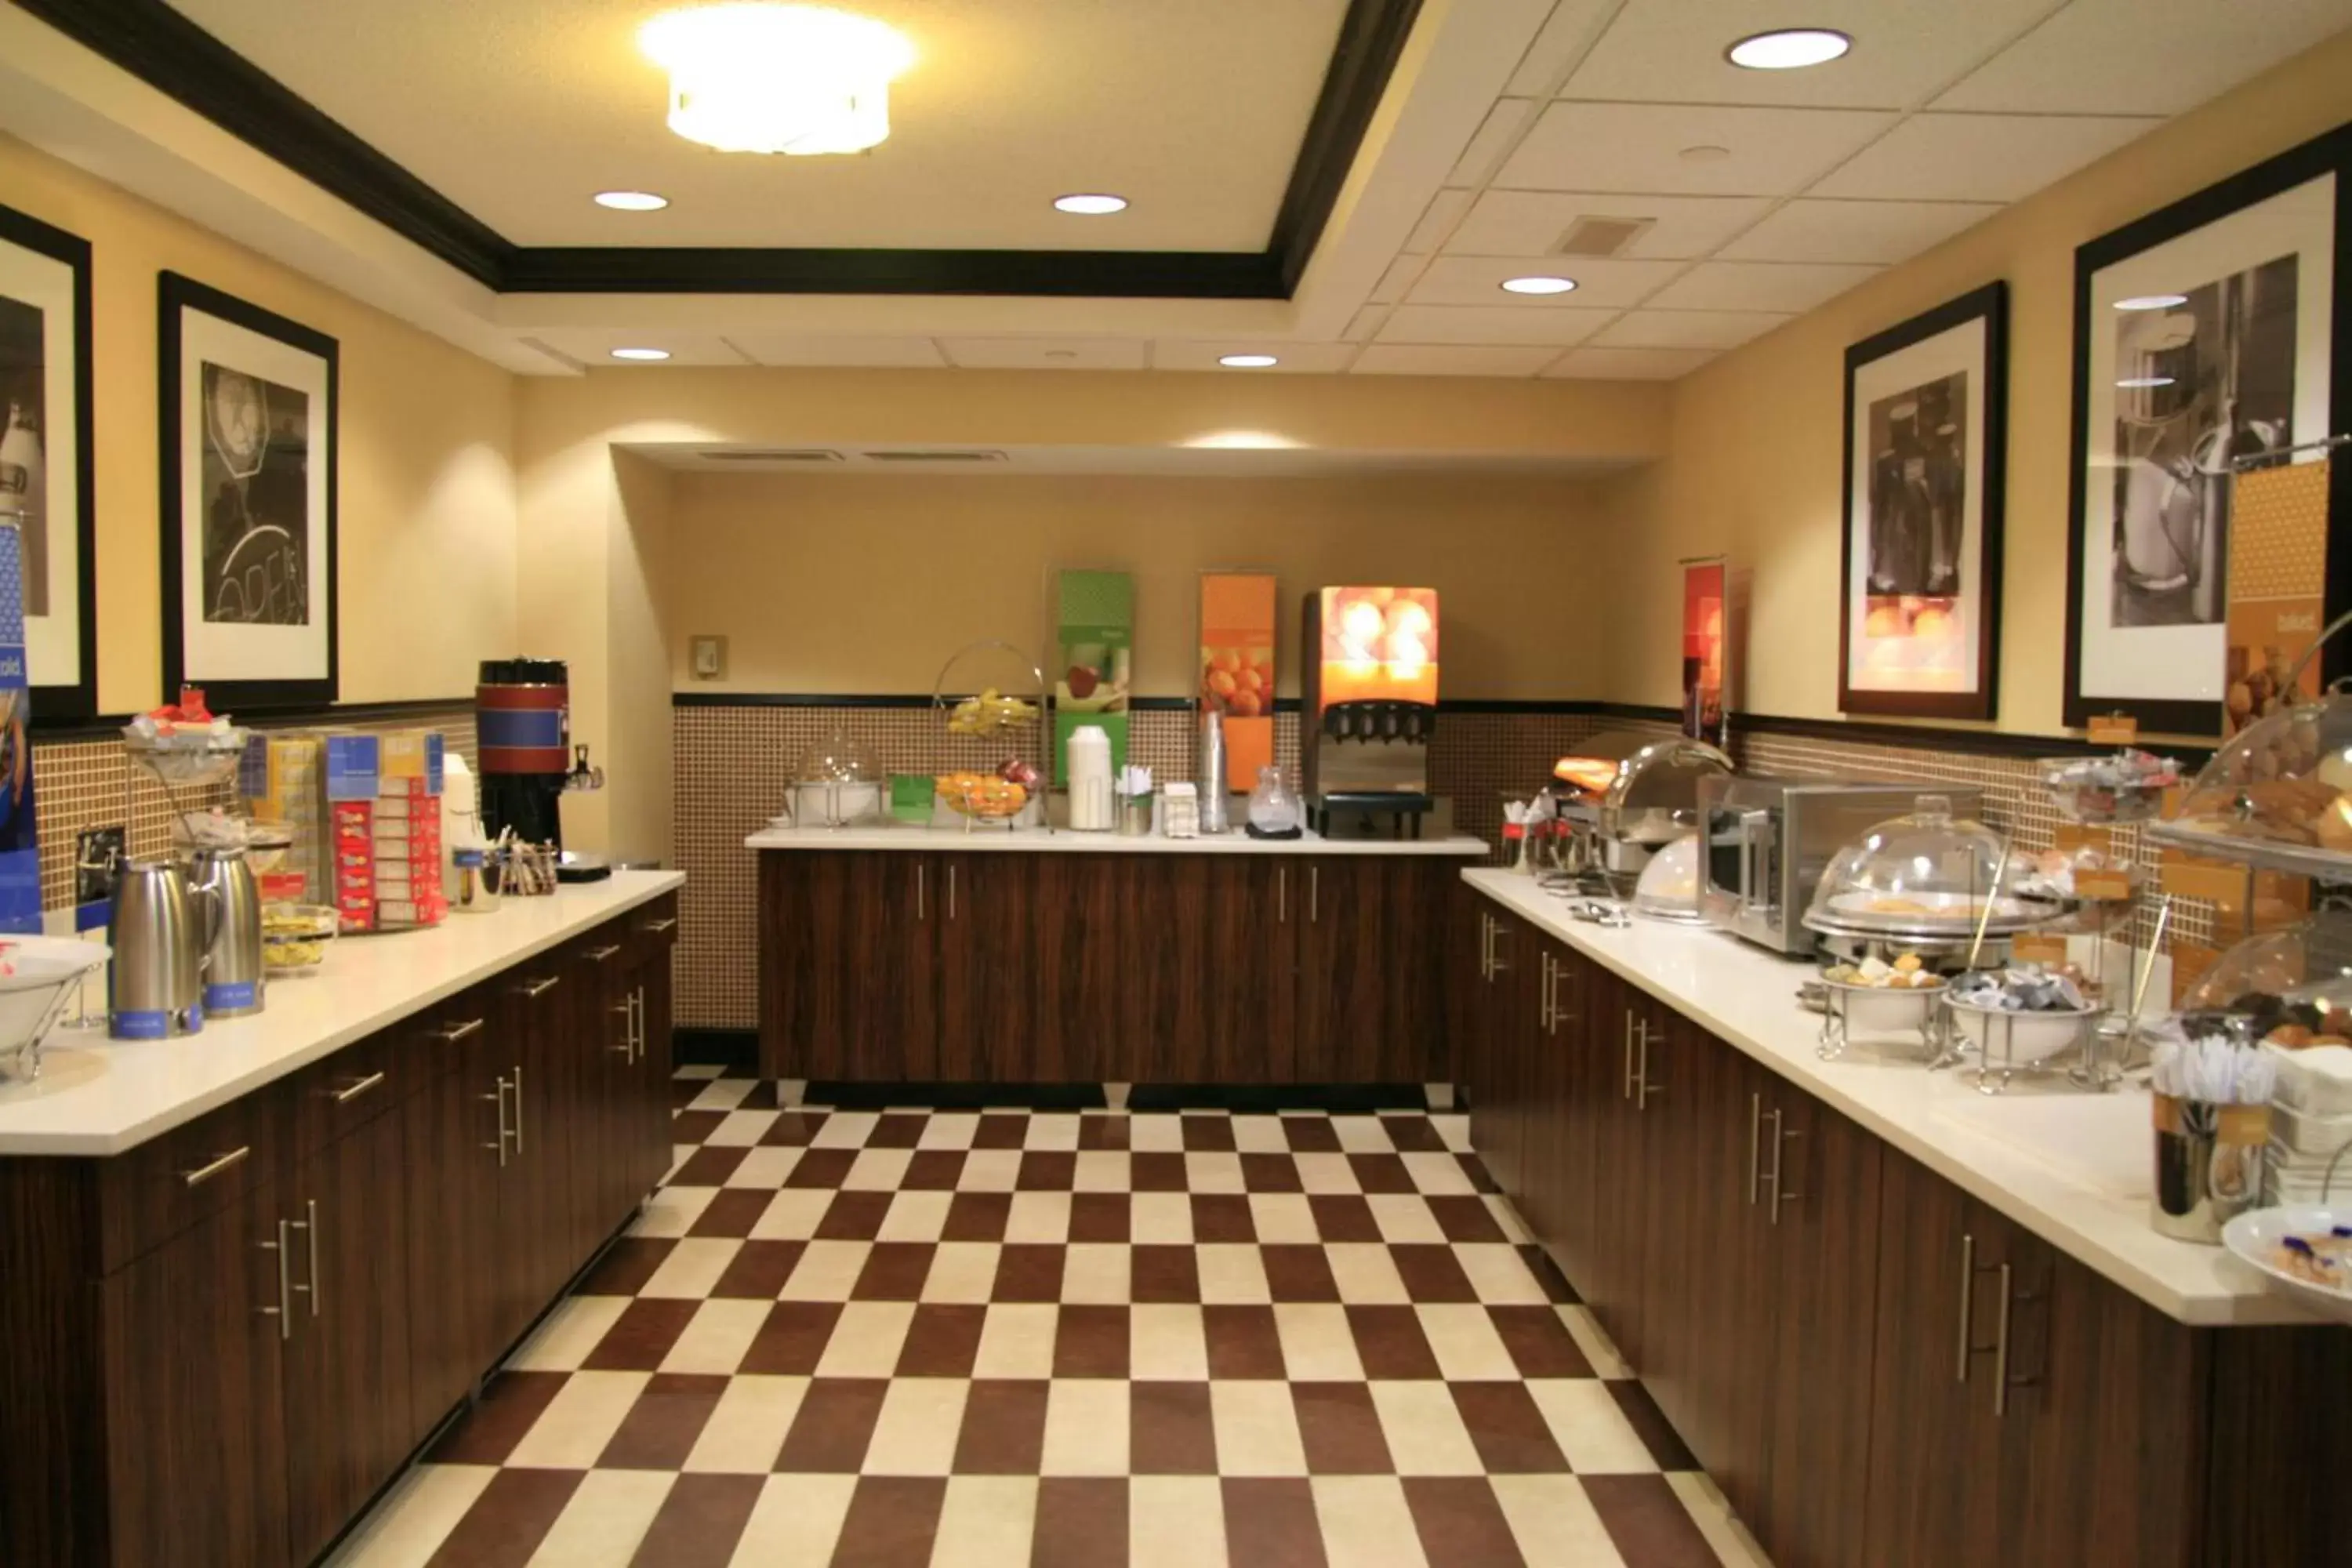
(1747, 197)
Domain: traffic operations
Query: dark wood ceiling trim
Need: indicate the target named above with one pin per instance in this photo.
(731, 269)
(1371, 38)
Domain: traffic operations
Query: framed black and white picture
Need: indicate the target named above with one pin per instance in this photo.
(46, 467)
(1926, 444)
(2205, 333)
(248, 465)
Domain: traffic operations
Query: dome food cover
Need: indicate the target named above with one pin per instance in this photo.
(2293, 986)
(2276, 793)
(1926, 873)
(1668, 889)
(838, 758)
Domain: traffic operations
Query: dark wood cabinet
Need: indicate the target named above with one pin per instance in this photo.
(1217, 1000)
(1610, 1115)
(1364, 1015)
(455, 1159)
(988, 965)
(1494, 1060)
(1090, 951)
(850, 988)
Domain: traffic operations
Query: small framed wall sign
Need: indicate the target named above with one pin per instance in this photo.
(249, 402)
(1926, 445)
(46, 467)
(2206, 333)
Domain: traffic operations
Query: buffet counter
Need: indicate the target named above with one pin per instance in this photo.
(1064, 841)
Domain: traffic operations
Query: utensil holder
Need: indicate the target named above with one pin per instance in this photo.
(1135, 816)
(2209, 1165)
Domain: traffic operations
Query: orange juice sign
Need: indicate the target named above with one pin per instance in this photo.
(1380, 644)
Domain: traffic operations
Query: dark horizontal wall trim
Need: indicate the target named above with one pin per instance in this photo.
(1076, 274)
(1910, 737)
(109, 726)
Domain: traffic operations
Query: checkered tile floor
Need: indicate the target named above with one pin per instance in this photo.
(1009, 1338)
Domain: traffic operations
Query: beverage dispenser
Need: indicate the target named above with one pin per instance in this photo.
(522, 714)
(1368, 706)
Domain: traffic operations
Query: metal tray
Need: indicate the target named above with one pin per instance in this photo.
(2296, 860)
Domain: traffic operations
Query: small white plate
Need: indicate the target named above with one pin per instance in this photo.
(2254, 1236)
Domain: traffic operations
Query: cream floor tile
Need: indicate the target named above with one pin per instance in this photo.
(606, 1521)
(990, 1171)
(1437, 1173)
(1174, 1522)
(826, 1271)
(692, 1267)
(1366, 1522)
(1097, 1273)
(792, 1214)
(1166, 1342)
(1283, 1217)
(1498, 1274)
(876, 1169)
(866, 1340)
(1515, 1229)
(699, 1070)
(1366, 1273)
(1324, 1173)
(1317, 1345)
(1231, 1273)
(721, 1094)
(1424, 1429)
(409, 1526)
(1161, 1219)
(1589, 1426)
(1213, 1172)
(1017, 1340)
(1086, 1428)
(1362, 1135)
(763, 1167)
(845, 1130)
(1155, 1133)
(986, 1522)
(1554, 1523)
(1103, 1171)
(1404, 1218)
(915, 1435)
(747, 1427)
(1260, 1136)
(916, 1217)
(716, 1338)
(679, 1156)
(1452, 1130)
(579, 1421)
(672, 1210)
(1713, 1515)
(570, 1332)
(1053, 1129)
(1257, 1429)
(1464, 1340)
(1039, 1217)
(1594, 1342)
(741, 1129)
(796, 1520)
(948, 1130)
(961, 1271)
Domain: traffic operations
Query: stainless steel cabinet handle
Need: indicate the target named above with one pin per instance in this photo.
(541, 987)
(1486, 945)
(500, 1098)
(1626, 1092)
(1642, 1087)
(310, 1225)
(1780, 1137)
(203, 1173)
(1559, 1014)
(283, 1312)
(1968, 1305)
(518, 1100)
(951, 881)
(2001, 1348)
(1755, 1146)
(638, 1000)
(1314, 895)
(1543, 1003)
(1282, 894)
(920, 880)
(456, 1032)
(670, 923)
(1501, 930)
(353, 1090)
(627, 1049)
(599, 954)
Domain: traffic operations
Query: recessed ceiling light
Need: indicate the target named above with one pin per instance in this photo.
(777, 78)
(641, 354)
(1091, 204)
(631, 201)
(1790, 48)
(2151, 302)
(1541, 285)
(1704, 152)
(2137, 382)
(1247, 362)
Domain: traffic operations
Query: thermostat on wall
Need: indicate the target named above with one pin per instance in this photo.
(710, 657)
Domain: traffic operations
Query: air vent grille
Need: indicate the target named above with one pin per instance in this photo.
(936, 454)
(1602, 235)
(772, 455)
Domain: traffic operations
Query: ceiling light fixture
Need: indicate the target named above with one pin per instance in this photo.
(641, 354)
(1542, 285)
(2136, 382)
(1789, 48)
(2151, 302)
(1247, 362)
(631, 201)
(1091, 204)
(777, 78)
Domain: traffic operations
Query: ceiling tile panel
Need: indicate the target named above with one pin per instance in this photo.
(1045, 354)
(1420, 359)
(1365, 322)
(1503, 122)
(1903, 50)
(1397, 278)
(1532, 223)
(1792, 285)
(1490, 324)
(1444, 208)
(1640, 147)
(1627, 364)
(2143, 56)
(1477, 281)
(796, 348)
(1308, 359)
(1879, 232)
(1686, 329)
(1978, 157)
(1572, 26)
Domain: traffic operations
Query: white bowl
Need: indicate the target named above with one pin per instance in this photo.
(2034, 1037)
(1874, 1009)
(2254, 1236)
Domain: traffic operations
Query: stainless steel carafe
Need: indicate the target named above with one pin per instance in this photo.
(1209, 773)
(159, 930)
(234, 978)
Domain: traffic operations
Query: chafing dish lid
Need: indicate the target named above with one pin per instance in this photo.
(1651, 794)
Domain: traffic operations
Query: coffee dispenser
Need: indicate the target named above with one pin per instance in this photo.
(161, 930)
(1369, 704)
(523, 723)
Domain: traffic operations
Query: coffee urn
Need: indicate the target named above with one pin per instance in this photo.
(523, 722)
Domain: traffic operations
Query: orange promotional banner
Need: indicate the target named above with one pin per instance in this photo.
(1237, 611)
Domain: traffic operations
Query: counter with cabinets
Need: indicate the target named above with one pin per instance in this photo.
(242, 1275)
(1897, 1320)
(904, 955)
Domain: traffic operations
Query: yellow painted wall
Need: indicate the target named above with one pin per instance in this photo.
(826, 584)
(427, 505)
(1755, 443)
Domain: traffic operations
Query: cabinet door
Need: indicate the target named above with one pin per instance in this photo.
(1220, 1002)
(655, 1062)
(194, 1395)
(348, 1423)
(1088, 919)
(1496, 1047)
(537, 1217)
(1612, 1117)
(451, 1132)
(848, 991)
(1557, 1207)
(600, 1010)
(987, 961)
(1372, 1003)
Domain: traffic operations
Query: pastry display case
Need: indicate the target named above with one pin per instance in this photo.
(1927, 879)
(2278, 795)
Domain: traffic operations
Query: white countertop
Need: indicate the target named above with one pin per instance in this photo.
(1063, 841)
(98, 1096)
(2074, 1168)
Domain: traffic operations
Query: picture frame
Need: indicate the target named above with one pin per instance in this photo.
(2206, 330)
(249, 401)
(47, 463)
(1924, 481)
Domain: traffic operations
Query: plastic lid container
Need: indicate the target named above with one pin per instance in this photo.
(2276, 793)
(1929, 872)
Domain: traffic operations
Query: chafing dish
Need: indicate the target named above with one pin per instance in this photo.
(1651, 798)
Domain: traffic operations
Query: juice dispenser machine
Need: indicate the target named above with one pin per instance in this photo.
(1368, 709)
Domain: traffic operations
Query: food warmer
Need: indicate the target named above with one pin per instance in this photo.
(1625, 796)
(836, 784)
(1921, 883)
(2278, 795)
(1768, 840)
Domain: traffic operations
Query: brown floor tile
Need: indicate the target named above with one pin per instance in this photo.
(1657, 1434)
(1412, 1134)
(1164, 1273)
(759, 1269)
(684, 1089)
(1221, 1217)
(1207, 1134)
(1047, 1171)
(1243, 1342)
(1479, 1180)
(659, 1431)
(1271, 1173)
(976, 1216)
(1389, 1343)
(932, 1171)
(1461, 1524)
(1555, 1284)
(1340, 1429)
(1169, 1430)
(893, 1521)
(641, 1335)
(792, 1340)
(732, 1211)
(709, 1166)
(694, 1126)
(628, 1263)
(1029, 1271)
(897, 1132)
(1343, 1216)
(1156, 1173)
(835, 1424)
(1430, 1272)
(1540, 1342)
(893, 1271)
(699, 1522)
(1003, 1429)
(1312, 1135)
(1001, 1130)
(1078, 1520)
(1099, 1132)
(508, 1520)
(1508, 1430)
(1381, 1174)
(1092, 1341)
(1296, 1271)
(1648, 1521)
(509, 1406)
(1270, 1522)
(1101, 1216)
(1463, 1217)
(823, 1168)
(942, 1340)
(855, 1216)
(762, 1097)
(793, 1128)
